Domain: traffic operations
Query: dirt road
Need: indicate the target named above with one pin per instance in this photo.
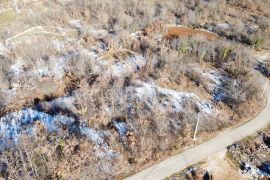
(194, 155)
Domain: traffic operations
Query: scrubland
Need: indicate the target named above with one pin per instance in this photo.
(102, 89)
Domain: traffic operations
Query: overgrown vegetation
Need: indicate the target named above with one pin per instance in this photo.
(89, 60)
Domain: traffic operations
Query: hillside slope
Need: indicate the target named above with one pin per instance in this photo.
(103, 89)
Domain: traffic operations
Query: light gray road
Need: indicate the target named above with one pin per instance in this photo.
(196, 154)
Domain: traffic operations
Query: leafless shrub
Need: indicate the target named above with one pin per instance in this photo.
(151, 133)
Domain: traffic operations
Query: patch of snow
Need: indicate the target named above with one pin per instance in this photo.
(11, 125)
(212, 75)
(3, 50)
(253, 171)
(59, 67)
(17, 67)
(15, 6)
(94, 135)
(223, 26)
(98, 34)
(136, 34)
(10, 92)
(121, 127)
(55, 67)
(98, 138)
(58, 45)
(216, 83)
(93, 54)
(206, 107)
(41, 69)
(166, 99)
(14, 124)
(130, 65)
(213, 81)
(77, 24)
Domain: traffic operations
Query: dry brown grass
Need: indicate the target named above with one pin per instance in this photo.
(117, 55)
(186, 32)
(170, 52)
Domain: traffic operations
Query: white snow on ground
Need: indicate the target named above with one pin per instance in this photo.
(121, 127)
(136, 34)
(95, 136)
(11, 125)
(98, 34)
(41, 69)
(14, 124)
(214, 76)
(211, 76)
(213, 81)
(3, 50)
(215, 84)
(223, 26)
(9, 92)
(218, 90)
(166, 99)
(98, 138)
(254, 172)
(17, 67)
(56, 67)
(59, 66)
(130, 65)
(77, 24)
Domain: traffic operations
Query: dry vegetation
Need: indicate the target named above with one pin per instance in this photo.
(127, 76)
(246, 159)
(221, 165)
(251, 155)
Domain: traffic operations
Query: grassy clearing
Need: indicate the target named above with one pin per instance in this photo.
(232, 160)
(7, 17)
